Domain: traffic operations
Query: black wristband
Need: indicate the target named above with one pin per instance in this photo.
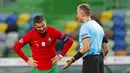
(78, 55)
(104, 40)
(73, 59)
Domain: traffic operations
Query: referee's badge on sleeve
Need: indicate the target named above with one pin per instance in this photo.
(43, 44)
(83, 35)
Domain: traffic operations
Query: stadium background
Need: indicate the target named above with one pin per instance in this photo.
(16, 18)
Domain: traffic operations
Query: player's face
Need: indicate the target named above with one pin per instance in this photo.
(41, 27)
(79, 15)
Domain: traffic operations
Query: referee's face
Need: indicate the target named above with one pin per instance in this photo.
(79, 15)
(41, 27)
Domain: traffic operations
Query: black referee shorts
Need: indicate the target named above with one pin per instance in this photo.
(93, 64)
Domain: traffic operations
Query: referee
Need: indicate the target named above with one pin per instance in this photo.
(91, 39)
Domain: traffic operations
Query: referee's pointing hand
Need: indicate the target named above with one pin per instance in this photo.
(68, 63)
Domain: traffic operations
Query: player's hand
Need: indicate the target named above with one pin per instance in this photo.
(32, 63)
(56, 59)
(68, 63)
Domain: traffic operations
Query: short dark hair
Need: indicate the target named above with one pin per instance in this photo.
(85, 8)
(38, 19)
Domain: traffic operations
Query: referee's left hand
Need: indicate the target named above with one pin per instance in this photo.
(68, 63)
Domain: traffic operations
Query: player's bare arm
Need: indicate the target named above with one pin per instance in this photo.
(68, 43)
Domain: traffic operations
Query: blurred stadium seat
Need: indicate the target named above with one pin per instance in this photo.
(3, 27)
(23, 18)
(106, 16)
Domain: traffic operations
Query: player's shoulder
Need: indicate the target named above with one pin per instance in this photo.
(32, 31)
(52, 30)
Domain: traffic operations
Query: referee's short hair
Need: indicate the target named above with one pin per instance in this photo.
(38, 19)
(85, 8)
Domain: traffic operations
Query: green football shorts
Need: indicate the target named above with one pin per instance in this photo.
(54, 69)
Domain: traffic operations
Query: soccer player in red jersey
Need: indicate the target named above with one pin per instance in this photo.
(42, 40)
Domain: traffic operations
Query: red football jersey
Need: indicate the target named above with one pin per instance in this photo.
(42, 46)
